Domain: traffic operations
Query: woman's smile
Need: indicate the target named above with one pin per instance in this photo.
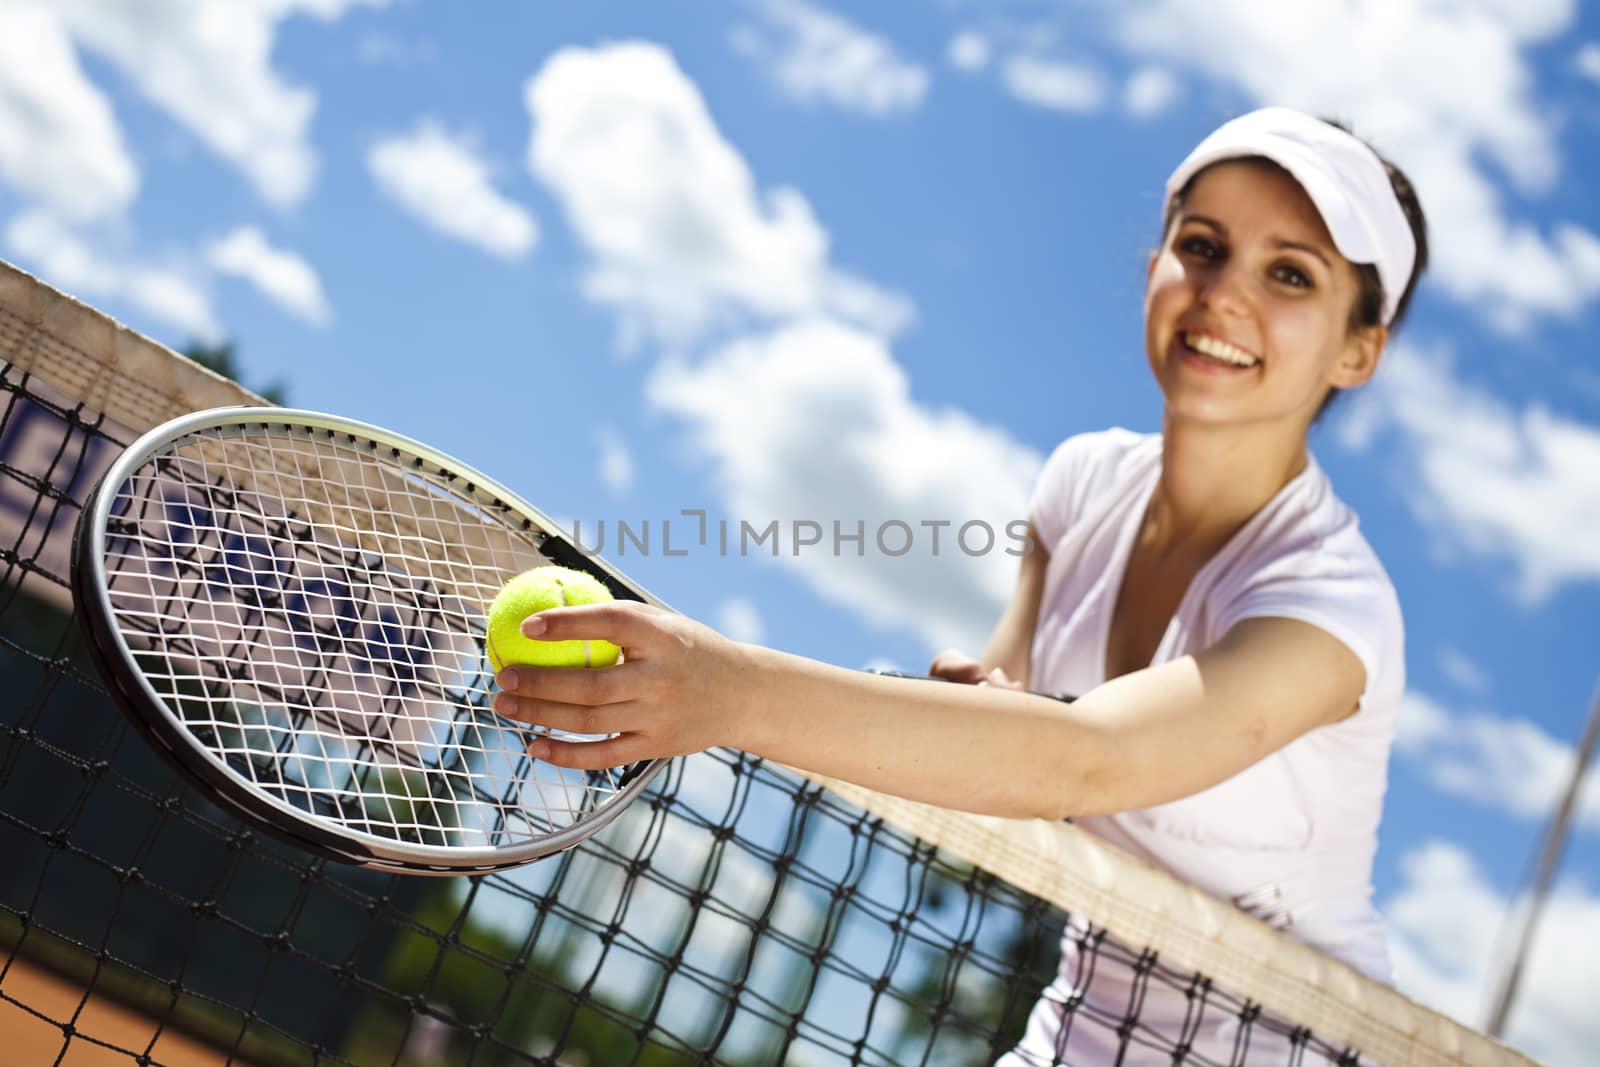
(1212, 354)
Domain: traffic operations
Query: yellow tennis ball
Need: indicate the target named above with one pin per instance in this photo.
(534, 591)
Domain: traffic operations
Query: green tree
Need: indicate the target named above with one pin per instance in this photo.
(978, 1001)
(503, 999)
(222, 357)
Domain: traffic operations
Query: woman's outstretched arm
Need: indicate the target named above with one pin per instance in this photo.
(1145, 738)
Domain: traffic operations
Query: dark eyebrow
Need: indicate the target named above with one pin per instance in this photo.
(1312, 250)
(1308, 249)
(1207, 220)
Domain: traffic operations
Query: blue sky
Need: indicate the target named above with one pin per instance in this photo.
(776, 260)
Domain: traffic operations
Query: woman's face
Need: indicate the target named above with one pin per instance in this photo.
(1247, 310)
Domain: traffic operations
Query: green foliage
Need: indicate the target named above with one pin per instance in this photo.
(975, 1000)
(482, 980)
(223, 358)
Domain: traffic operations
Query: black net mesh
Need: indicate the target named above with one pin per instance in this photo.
(736, 914)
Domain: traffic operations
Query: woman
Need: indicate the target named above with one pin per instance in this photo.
(1237, 646)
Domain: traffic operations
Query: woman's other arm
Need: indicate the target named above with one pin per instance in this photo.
(1011, 645)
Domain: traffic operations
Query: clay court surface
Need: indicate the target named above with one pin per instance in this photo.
(29, 1041)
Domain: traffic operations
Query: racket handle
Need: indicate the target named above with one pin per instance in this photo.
(1063, 697)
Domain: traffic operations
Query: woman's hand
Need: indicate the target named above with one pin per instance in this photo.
(677, 689)
(957, 666)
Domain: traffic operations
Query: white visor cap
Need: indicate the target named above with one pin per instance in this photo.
(1345, 180)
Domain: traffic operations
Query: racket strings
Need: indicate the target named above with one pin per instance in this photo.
(311, 608)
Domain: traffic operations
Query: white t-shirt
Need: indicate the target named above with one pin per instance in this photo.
(1291, 838)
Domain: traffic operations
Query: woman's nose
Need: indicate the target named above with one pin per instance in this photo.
(1224, 289)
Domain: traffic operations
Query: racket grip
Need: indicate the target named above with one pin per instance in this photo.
(1063, 697)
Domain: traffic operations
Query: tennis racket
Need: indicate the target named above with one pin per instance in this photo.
(291, 607)
(1065, 698)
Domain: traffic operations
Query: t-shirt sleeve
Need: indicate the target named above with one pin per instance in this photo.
(1345, 593)
(1059, 490)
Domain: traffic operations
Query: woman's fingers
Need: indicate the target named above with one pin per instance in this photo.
(623, 622)
(572, 685)
(589, 755)
(669, 695)
(1000, 680)
(956, 667)
(572, 718)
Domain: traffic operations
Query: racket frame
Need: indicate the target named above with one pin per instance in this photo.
(170, 736)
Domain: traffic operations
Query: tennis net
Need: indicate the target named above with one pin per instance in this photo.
(739, 913)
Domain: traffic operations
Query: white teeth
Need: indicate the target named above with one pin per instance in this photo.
(1217, 348)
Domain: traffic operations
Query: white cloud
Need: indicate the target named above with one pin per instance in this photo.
(682, 241)
(755, 408)
(281, 276)
(59, 140)
(209, 65)
(1504, 483)
(969, 51)
(681, 237)
(824, 57)
(739, 619)
(1443, 925)
(863, 303)
(1150, 91)
(1054, 84)
(1508, 765)
(443, 182)
(1588, 61)
(616, 462)
(1465, 672)
(1445, 90)
(1422, 721)
(172, 296)
(61, 257)
(382, 49)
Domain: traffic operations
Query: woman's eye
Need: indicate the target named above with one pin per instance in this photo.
(1199, 246)
(1294, 276)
